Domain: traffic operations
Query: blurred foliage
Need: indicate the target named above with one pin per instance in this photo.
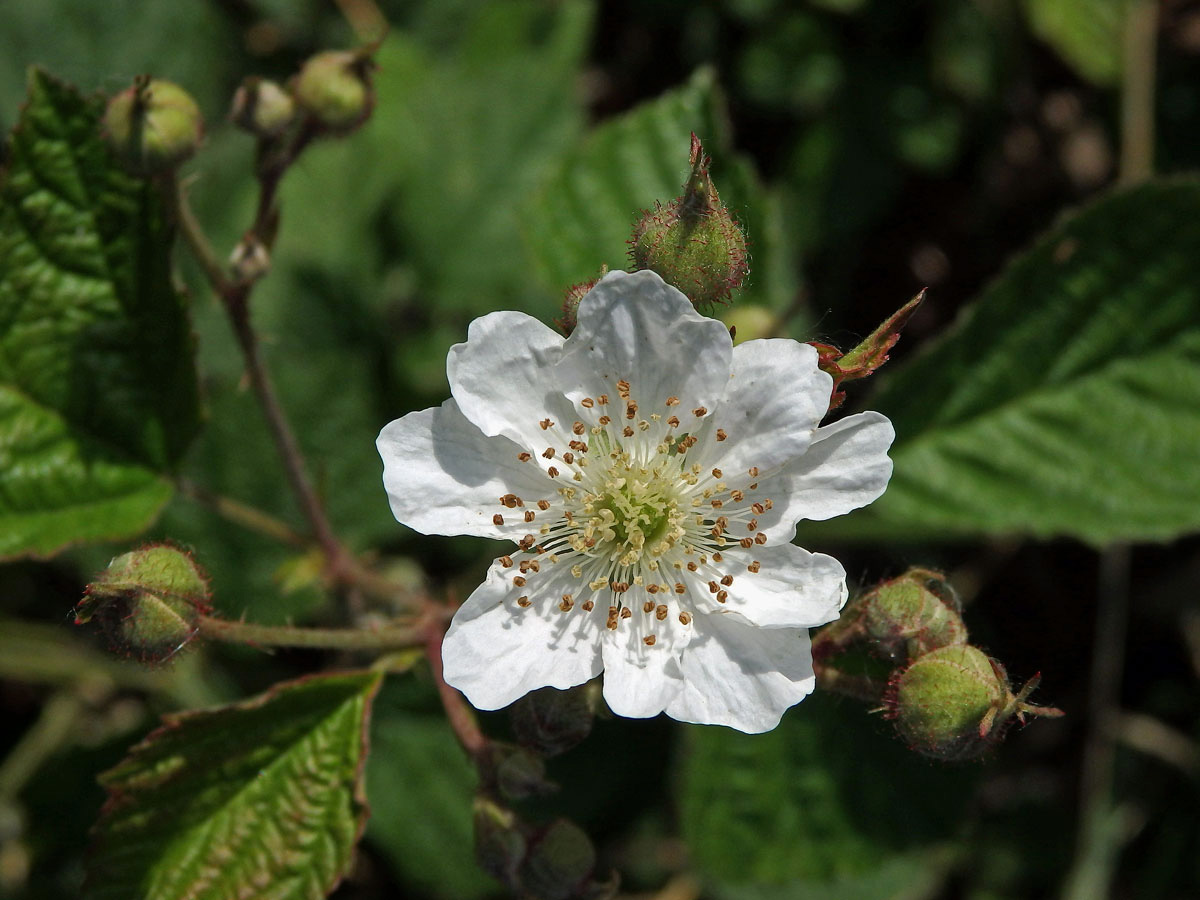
(871, 148)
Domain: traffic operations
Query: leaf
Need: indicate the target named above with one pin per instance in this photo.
(1067, 400)
(827, 798)
(582, 216)
(259, 799)
(422, 786)
(98, 395)
(1085, 33)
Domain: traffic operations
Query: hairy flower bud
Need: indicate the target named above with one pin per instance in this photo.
(694, 242)
(913, 614)
(148, 601)
(571, 298)
(335, 89)
(559, 863)
(152, 126)
(262, 107)
(549, 721)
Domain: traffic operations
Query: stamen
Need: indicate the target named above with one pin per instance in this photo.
(700, 411)
(721, 435)
(523, 602)
(754, 566)
(588, 402)
(722, 596)
(545, 423)
(660, 612)
(497, 519)
(529, 515)
(548, 453)
(524, 457)
(649, 640)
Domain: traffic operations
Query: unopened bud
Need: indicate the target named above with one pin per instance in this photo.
(499, 840)
(913, 614)
(517, 772)
(559, 863)
(694, 242)
(152, 126)
(335, 89)
(262, 107)
(550, 721)
(148, 601)
(571, 298)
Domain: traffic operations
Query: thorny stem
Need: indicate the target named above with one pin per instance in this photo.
(458, 714)
(390, 637)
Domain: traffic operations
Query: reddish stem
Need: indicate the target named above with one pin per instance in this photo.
(459, 715)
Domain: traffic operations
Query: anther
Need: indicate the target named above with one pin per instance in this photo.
(623, 388)
(506, 561)
(758, 508)
(736, 496)
(523, 602)
(721, 435)
(611, 624)
(752, 525)
(497, 519)
(685, 618)
(747, 542)
(548, 453)
(660, 611)
(578, 428)
(717, 504)
(545, 423)
(568, 457)
(716, 473)
(673, 421)
(760, 538)
(649, 640)
(552, 472)
(627, 431)
(626, 612)
(604, 420)
(753, 470)
(524, 457)
(712, 587)
(631, 410)
(692, 567)
(767, 503)
(717, 557)
(754, 566)
(509, 500)
(648, 606)
(526, 542)
(652, 589)
(727, 580)
(588, 402)
(602, 399)
(519, 581)
(588, 605)
(566, 603)
(700, 411)
(680, 587)
(672, 401)
(722, 596)
(543, 505)
(529, 515)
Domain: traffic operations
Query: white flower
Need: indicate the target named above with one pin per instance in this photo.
(652, 476)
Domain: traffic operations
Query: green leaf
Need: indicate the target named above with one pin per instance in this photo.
(421, 787)
(263, 798)
(1085, 33)
(827, 798)
(1067, 400)
(98, 395)
(582, 216)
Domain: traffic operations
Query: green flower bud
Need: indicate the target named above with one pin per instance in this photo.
(153, 126)
(517, 772)
(559, 863)
(335, 89)
(148, 601)
(694, 242)
(945, 703)
(499, 840)
(913, 614)
(262, 107)
(549, 721)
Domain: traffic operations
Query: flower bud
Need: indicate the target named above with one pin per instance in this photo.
(913, 614)
(148, 601)
(152, 126)
(571, 298)
(262, 107)
(694, 242)
(499, 840)
(549, 721)
(335, 89)
(517, 772)
(559, 863)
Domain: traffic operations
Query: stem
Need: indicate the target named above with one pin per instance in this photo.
(244, 515)
(47, 735)
(459, 715)
(193, 234)
(1137, 91)
(389, 637)
(860, 687)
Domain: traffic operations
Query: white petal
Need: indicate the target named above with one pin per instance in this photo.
(775, 399)
(846, 467)
(502, 377)
(638, 684)
(741, 675)
(496, 651)
(443, 476)
(638, 328)
(791, 589)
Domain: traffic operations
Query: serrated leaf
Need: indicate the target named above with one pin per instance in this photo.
(259, 799)
(1067, 400)
(1085, 33)
(98, 395)
(582, 216)
(827, 798)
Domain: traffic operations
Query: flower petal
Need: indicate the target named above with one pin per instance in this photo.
(846, 467)
(638, 684)
(502, 376)
(497, 651)
(775, 399)
(741, 675)
(638, 328)
(791, 588)
(444, 476)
